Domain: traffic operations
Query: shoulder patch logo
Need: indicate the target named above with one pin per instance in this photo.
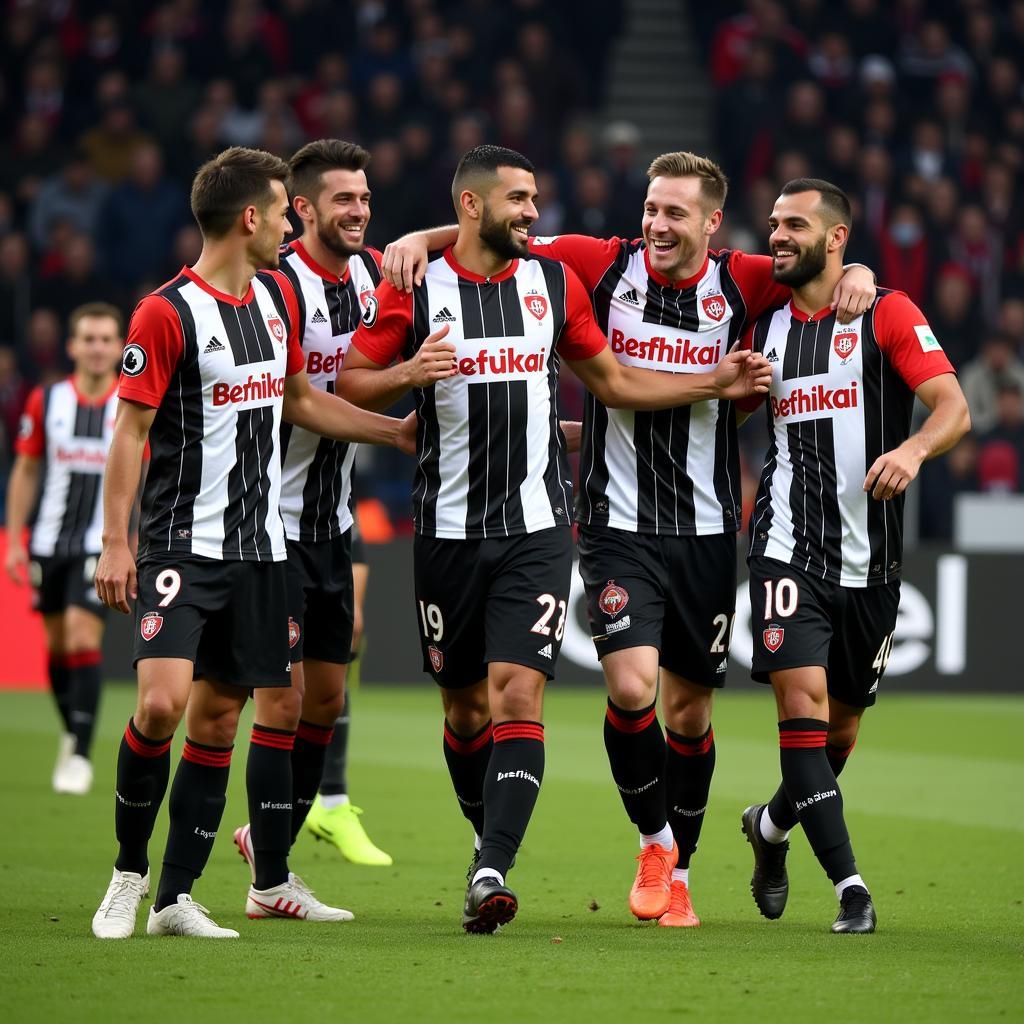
(370, 312)
(714, 306)
(536, 304)
(364, 296)
(613, 599)
(844, 343)
(133, 360)
(318, 317)
(928, 341)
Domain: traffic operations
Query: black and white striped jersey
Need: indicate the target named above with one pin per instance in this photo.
(316, 474)
(491, 454)
(71, 434)
(841, 395)
(674, 471)
(213, 367)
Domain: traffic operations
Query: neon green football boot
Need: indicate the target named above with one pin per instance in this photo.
(341, 826)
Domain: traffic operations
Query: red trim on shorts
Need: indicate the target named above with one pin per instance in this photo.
(278, 739)
(629, 725)
(691, 748)
(142, 745)
(470, 746)
(318, 734)
(505, 731)
(216, 757)
(82, 659)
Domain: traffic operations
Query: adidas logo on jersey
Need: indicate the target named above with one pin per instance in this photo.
(630, 297)
(318, 317)
(443, 316)
(771, 355)
(214, 346)
(545, 651)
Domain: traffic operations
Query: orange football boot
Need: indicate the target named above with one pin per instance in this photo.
(650, 895)
(680, 910)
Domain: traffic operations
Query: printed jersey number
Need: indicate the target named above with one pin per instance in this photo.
(433, 622)
(168, 583)
(724, 624)
(783, 594)
(549, 604)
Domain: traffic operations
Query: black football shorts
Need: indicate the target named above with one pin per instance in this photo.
(798, 620)
(320, 600)
(498, 599)
(60, 582)
(230, 619)
(677, 594)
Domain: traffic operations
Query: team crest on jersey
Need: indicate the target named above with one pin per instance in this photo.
(150, 625)
(714, 306)
(364, 297)
(844, 343)
(293, 632)
(536, 304)
(773, 637)
(276, 327)
(133, 360)
(613, 599)
(436, 658)
(370, 311)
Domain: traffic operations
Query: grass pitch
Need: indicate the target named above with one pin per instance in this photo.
(934, 802)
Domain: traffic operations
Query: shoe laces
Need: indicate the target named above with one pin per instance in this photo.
(121, 898)
(652, 871)
(679, 901)
(299, 884)
(855, 901)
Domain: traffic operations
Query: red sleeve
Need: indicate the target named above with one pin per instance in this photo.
(588, 257)
(903, 334)
(31, 431)
(152, 352)
(581, 338)
(753, 277)
(384, 329)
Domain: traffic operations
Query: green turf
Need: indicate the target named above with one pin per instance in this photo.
(933, 800)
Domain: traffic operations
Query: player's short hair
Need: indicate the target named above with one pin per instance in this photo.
(714, 185)
(90, 309)
(478, 169)
(310, 163)
(234, 179)
(835, 203)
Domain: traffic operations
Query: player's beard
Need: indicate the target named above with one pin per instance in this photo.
(331, 239)
(806, 267)
(497, 236)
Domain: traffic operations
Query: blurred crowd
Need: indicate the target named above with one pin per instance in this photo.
(916, 107)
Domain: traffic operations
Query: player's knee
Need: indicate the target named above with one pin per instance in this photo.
(518, 697)
(631, 691)
(467, 711)
(689, 718)
(157, 714)
(279, 708)
(843, 734)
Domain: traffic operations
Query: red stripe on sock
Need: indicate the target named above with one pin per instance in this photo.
(82, 659)
(318, 734)
(518, 731)
(844, 754)
(630, 725)
(694, 748)
(264, 737)
(209, 758)
(144, 747)
(801, 741)
(470, 746)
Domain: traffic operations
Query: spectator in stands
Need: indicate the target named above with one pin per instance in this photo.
(905, 263)
(78, 280)
(982, 378)
(44, 356)
(73, 194)
(941, 480)
(1009, 421)
(168, 97)
(15, 288)
(955, 313)
(112, 144)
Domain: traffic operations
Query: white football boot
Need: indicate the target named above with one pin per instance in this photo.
(74, 776)
(292, 899)
(115, 918)
(186, 917)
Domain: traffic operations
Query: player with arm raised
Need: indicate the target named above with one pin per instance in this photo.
(483, 336)
(827, 528)
(62, 446)
(211, 367)
(659, 501)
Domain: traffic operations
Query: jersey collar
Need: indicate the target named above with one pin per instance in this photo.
(687, 282)
(468, 275)
(99, 400)
(231, 300)
(809, 318)
(321, 271)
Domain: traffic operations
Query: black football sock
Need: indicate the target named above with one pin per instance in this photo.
(636, 754)
(84, 682)
(335, 774)
(58, 671)
(780, 810)
(510, 791)
(311, 742)
(467, 758)
(268, 779)
(143, 767)
(689, 765)
(196, 806)
(812, 788)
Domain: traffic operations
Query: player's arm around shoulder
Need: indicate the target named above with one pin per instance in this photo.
(910, 345)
